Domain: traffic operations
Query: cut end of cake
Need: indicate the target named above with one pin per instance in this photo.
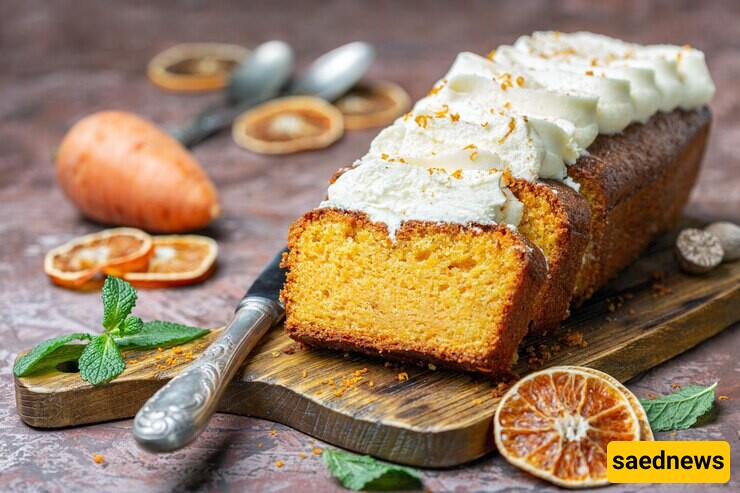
(459, 296)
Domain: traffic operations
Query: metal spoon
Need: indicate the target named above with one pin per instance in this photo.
(334, 73)
(258, 79)
(329, 77)
(263, 74)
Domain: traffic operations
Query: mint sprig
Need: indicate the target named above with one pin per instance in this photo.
(680, 410)
(101, 359)
(28, 361)
(357, 472)
(158, 333)
(119, 298)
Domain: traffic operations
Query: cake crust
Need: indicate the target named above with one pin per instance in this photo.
(636, 183)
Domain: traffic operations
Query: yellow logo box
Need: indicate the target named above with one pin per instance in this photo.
(668, 462)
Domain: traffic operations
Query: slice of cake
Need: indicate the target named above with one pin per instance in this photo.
(556, 219)
(413, 263)
(443, 293)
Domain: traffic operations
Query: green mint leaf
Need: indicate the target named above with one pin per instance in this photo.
(101, 360)
(28, 361)
(119, 297)
(132, 325)
(157, 333)
(680, 410)
(357, 472)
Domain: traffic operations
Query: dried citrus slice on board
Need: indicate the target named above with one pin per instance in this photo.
(178, 260)
(646, 433)
(373, 104)
(288, 125)
(113, 251)
(556, 424)
(195, 66)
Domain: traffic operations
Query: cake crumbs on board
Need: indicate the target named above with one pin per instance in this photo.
(500, 389)
(658, 286)
(573, 339)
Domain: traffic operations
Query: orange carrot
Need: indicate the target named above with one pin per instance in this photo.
(121, 169)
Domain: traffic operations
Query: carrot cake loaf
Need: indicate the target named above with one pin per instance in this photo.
(520, 184)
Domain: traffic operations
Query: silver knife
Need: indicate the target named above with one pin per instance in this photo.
(179, 411)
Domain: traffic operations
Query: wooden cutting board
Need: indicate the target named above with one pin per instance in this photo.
(434, 418)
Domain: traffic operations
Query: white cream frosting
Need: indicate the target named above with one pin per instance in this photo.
(441, 140)
(681, 73)
(531, 110)
(391, 193)
(641, 86)
(474, 97)
(614, 108)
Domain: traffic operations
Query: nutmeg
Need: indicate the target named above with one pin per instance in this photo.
(698, 251)
(728, 235)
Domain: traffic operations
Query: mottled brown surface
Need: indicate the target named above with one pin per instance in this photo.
(64, 60)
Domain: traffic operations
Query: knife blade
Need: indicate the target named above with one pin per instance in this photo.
(178, 412)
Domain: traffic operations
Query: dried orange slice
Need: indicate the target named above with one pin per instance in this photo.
(373, 104)
(178, 260)
(646, 433)
(556, 424)
(195, 66)
(113, 251)
(288, 125)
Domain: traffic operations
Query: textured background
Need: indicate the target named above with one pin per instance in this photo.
(63, 60)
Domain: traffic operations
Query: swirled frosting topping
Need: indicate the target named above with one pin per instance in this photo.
(526, 111)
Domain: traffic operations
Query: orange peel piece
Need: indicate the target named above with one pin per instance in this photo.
(373, 104)
(287, 125)
(112, 251)
(178, 260)
(556, 424)
(195, 67)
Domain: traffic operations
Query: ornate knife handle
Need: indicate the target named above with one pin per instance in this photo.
(179, 411)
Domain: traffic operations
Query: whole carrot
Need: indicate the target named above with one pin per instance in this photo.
(121, 169)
